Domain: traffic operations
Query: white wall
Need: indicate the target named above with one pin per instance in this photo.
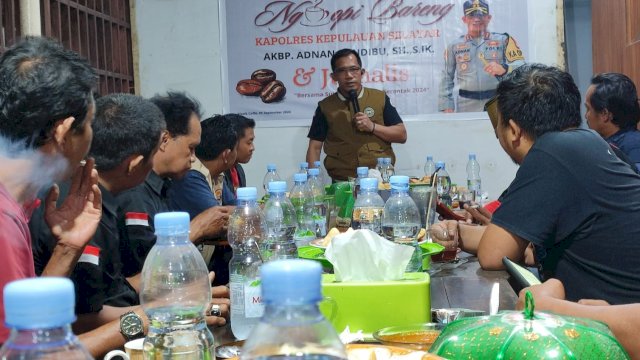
(178, 46)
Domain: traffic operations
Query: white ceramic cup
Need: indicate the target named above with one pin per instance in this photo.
(132, 351)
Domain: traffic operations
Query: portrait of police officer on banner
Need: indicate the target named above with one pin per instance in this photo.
(476, 61)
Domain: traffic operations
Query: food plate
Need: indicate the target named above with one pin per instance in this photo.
(384, 352)
(318, 243)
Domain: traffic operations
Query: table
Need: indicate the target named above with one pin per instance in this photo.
(468, 286)
(465, 286)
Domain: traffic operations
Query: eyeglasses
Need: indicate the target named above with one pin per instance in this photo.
(491, 107)
(351, 70)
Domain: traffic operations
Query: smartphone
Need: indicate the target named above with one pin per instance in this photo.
(520, 277)
(446, 213)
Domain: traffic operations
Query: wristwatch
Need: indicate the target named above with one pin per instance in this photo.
(131, 326)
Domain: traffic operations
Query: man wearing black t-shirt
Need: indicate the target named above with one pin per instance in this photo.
(572, 197)
(353, 138)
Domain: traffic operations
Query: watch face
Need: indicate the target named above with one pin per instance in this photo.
(131, 324)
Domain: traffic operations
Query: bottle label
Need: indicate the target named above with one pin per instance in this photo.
(253, 307)
(367, 214)
(246, 296)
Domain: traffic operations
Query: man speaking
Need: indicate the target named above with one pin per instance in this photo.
(356, 125)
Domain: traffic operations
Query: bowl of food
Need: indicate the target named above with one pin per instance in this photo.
(417, 336)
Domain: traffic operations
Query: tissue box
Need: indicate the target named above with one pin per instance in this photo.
(370, 306)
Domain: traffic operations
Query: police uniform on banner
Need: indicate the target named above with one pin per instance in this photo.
(465, 60)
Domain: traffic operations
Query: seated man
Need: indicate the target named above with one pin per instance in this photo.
(46, 109)
(126, 134)
(613, 111)
(203, 187)
(572, 197)
(234, 177)
(171, 162)
(623, 320)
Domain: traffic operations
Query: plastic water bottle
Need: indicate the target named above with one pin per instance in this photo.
(367, 210)
(361, 173)
(271, 175)
(40, 312)
(280, 219)
(429, 167)
(319, 208)
(381, 168)
(324, 177)
(389, 168)
(401, 219)
(443, 183)
(175, 292)
(246, 228)
(292, 326)
(304, 168)
(474, 183)
(302, 201)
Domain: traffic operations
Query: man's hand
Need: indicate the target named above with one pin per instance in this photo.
(362, 122)
(477, 215)
(550, 289)
(212, 222)
(445, 233)
(219, 298)
(495, 69)
(76, 220)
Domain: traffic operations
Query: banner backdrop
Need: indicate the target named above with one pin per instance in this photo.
(277, 60)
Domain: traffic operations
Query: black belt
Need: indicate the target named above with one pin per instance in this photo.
(477, 95)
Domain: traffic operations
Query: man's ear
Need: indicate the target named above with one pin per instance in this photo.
(164, 140)
(333, 77)
(134, 163)
(515, 132)
(225, 155)
(606, 115)
(61, 129)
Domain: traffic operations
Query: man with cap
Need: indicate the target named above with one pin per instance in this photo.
(477, 60)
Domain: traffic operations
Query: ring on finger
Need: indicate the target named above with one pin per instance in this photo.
(215, 310)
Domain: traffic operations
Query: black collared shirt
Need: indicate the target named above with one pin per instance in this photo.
(139, 206)
(97, 276)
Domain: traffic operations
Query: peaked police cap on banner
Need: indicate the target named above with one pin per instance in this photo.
(476, 8)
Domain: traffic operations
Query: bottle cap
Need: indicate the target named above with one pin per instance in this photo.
(39, 303)
(387, 160)
(171, 223)
(247, 193)
(472, 156)
(429, 157)
(380, 160)
(314, 172)
(399, 182)
(317, 163)
(369, 183)
(271, 167)
(304, 165)
(300, 177)
(277, 186)
(440, 164)
(291, 282)
(362, 171)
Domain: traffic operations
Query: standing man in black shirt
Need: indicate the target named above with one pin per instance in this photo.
(572, 198)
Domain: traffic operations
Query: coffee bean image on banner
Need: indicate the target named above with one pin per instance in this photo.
(273, 91)
(249, 87)
(264, 76)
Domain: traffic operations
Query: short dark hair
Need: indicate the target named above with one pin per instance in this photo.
(540, 99)
(124, 125)
(177, 108)
(616, 93)
(41, 83)
(344, 53)
(241, 123)
(218, 134)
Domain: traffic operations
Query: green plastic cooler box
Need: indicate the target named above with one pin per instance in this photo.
(370, 306)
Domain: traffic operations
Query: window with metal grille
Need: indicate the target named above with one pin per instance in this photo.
(9, 23)
(100, 30)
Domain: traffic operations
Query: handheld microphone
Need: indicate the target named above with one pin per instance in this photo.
(353, 95)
